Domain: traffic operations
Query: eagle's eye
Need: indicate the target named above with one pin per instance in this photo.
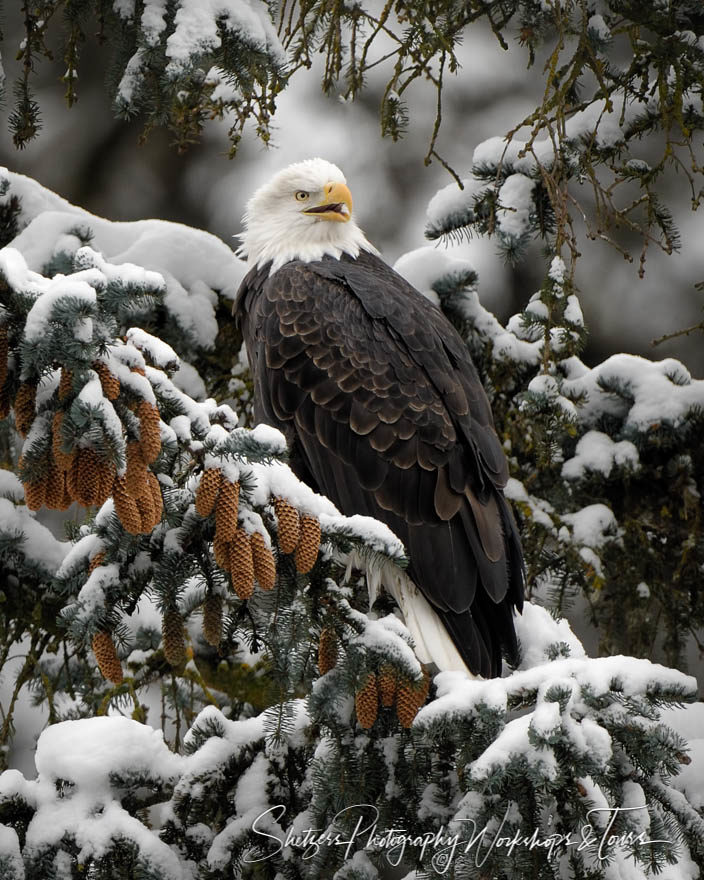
(301, 195)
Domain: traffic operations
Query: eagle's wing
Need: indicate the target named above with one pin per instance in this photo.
(385, 414)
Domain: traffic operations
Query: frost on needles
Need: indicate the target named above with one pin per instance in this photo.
(218, 693)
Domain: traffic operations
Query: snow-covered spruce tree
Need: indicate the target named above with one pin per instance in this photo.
(194, 552)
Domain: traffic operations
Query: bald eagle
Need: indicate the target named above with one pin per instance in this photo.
(383, 411)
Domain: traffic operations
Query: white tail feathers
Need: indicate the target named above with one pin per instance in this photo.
(431, 640)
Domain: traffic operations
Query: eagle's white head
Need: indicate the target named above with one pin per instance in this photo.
(303, 213)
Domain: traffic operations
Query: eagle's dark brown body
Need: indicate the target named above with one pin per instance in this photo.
(385, 414)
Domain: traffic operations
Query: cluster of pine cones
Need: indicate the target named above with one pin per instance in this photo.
(298, 534)
(247, 557)
(81, 474)
(244, 556)
(386, 689)
(383, 688)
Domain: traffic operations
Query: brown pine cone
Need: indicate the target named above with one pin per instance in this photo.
(263, 559)
(422, 689)
(207, 491)
(126, 507)
(327, 650)
(212, 620)
(65, 384)
(157, 500)
(226, 510)
(387, 685)
(72, 477)
(409, 698)
(289, 525)
(241, 565)
(308, 544)
(55, 486)
(221, 552)
(67, 500)
(149, 432)
(136, 472)
(64, 460)
(96, 561)
(4, 350)
(145, 506)
(106, 655)
(366, 702)
(25, 401)
(5, 403)
(174, 638)
(85, 476)
(34, 494)
(109, 383)
(107, 473)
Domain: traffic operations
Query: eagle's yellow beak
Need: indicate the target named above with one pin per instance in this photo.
(337, 204)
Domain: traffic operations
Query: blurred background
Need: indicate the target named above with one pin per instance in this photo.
(93, 160)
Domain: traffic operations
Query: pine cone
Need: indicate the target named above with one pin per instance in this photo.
(136, 472)
(366, 702)
(207, 491)
(212, 620)
(221, 552)
(149, 432)
(289, 525)
(139, 370)
(64, 460)
(263, 558)
(84, 477)
(65, 384)
(226, 510)
(109, 383)
(34, 494)
(4, 350)
(422, 689)
(126, 507)
(409, 698)
(406, 704)
(157, 500)
(96, 561)
(72, 477)
(55, 487)
(242, 565)
(106, 478)
(308, 544)
(67, 500)
(25, 402)
(387, 685)
(145, 506)
(327, 650)
(4, 400)
(174, 638)
(106, 655)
